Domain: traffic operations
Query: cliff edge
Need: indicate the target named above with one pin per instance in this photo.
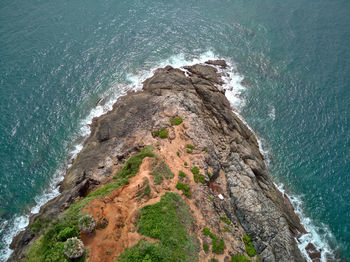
(185, 123)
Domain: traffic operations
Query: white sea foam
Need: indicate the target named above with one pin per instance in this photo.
(234, 93)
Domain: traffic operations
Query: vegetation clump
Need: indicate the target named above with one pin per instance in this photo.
(201, 178)
(189, 151)
(182, 174)
(160, 171)
(213, 260)
(178, 153)
(74, 248)
(239, 258)
(176, 121)
(184, 188)
(205, 247)
(225, 219)
(195, 170)
(163, 133)
(185, 163)
(39, 224)
(50, 245)
(218, 243)
(249, 248)
(86, 224)
(132, 165)
(205, 149)
(166, 221)
(189, 146)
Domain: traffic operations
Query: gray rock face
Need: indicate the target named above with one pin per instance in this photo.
(256, 205)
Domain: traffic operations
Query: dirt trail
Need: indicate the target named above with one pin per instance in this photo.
(120, 207)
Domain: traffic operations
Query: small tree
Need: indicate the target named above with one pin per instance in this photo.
(87, 224)
(73, 248)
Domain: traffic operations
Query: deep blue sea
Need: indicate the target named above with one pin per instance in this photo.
(59, 58)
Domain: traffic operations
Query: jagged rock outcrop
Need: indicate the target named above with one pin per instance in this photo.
(238, 170)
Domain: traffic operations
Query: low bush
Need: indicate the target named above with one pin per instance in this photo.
(239, 258)
(205, 247)
(185, 163)
(189, 146)
(225, 219)
(73, 248)
(182, 174)
(86, 223)
(189, 151)
(163, 133)
(195, 170)
(249, 248)
(218, 243)
(213, 260)
(184, 188)
(201, 178)
(176, 121)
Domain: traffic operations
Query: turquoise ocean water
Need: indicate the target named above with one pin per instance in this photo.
(59, 58)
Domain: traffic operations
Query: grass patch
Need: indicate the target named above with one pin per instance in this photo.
(39, 224)
(182, 174)
(225, 219)
(185, 163)
(189, 151)
(239, 258)
(226, 229)
(184, 188)
(161, 171)
(205, 149)
(218, 243)
(49, 246)
(176, 121)
(178, 153)
(189, 146)
(163, 133)
(166, 221)
(132, 165)
(249, 248)
(213, 260)
(211, 199)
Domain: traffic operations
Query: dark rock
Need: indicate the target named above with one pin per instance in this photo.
(221, 63)
(313, 252)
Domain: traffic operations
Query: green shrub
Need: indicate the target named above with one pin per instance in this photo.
(176, 121)
(249, 248)
(195, 170)
(201, 179)
(218, 243)
(168, 221)
(196, 178)
(213, 260)
(205, 149)
(205, 247)
(182, 174)
(189, 151)
(226, 229)
(67, 232)
(209, 174)
(39, 224)
(178, 153)
(163, 133)
(239, 258)
(189, 146)
(185, 163)
(184, 188)
(225, 219)
(211, 199)
(86, 223)
(73, 248)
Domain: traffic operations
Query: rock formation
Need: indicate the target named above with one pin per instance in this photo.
(224, 148)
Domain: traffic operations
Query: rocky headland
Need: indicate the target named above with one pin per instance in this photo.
(171, 172)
